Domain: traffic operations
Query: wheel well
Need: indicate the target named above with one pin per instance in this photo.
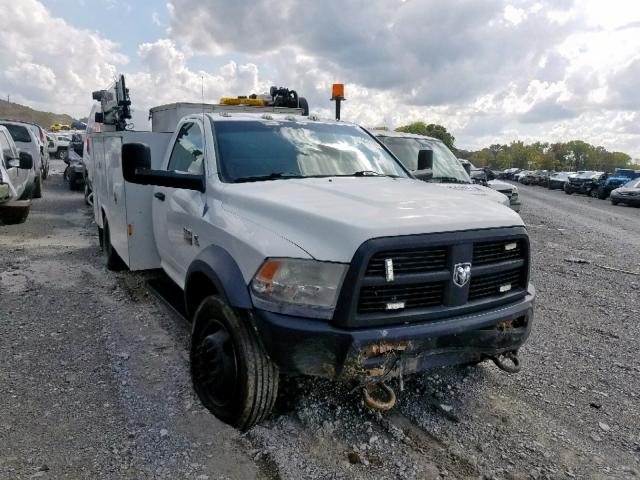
(197, 288)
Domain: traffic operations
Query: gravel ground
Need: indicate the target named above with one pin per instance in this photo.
(94, 372)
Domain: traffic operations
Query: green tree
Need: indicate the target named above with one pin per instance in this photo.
(431, 130)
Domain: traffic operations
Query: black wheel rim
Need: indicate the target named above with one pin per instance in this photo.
(214, 364)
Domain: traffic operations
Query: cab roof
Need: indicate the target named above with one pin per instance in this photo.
(394, 134)
(224, 116)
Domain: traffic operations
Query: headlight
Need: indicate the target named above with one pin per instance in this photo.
(298, 286)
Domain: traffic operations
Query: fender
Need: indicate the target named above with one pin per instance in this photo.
(222, 270)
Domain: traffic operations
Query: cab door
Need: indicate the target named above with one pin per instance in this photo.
(177, 211)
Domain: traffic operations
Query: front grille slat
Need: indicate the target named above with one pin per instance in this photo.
(489, 285)
(493, 252)
(423, 275)
(375, 299)
(409, 260)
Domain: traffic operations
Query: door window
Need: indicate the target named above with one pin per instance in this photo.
(5, 146)
(188, 152)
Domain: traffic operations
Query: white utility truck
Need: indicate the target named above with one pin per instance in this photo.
(304, 247)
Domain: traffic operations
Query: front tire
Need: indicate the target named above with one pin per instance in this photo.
(232, 374)
(614, 202)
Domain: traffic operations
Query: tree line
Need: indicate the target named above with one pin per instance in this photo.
(570, 156)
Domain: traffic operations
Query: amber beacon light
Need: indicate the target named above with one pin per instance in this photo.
(337, 95)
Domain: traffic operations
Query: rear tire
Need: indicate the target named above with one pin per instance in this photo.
(602, 194)
(232, 374)
(61, 154)
(74, 182)
(13, 215)
(113, 261)
(37, 187)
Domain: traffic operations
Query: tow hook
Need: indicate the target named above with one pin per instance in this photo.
(379, 396)
(512, 367)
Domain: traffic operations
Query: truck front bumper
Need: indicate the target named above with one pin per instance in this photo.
(314, 347)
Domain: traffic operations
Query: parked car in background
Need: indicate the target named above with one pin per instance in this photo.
(87, 156)
(44, 150)
(26, 140)
(75, 171)
(16, 177)
(446, 171)
(628, 194)
(582, 182)
(487, 177)
(618, 178)
(556, 181)
(62, 144)
(509, 174)
(537, 177)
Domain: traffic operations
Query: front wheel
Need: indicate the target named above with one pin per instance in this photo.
(61, 154)
(614, 202)
(232, 374)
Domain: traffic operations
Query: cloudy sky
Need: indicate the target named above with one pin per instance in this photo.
(489, 70)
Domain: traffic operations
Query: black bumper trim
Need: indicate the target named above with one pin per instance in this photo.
(313, 347)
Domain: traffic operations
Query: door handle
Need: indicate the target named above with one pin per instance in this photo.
(159, 196)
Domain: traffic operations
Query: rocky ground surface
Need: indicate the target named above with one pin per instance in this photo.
(94, 372)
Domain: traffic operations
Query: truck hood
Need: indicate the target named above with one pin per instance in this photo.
(331, 217)
(477, 190)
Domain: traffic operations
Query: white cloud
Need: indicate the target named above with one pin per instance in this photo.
(49, 64)
(490, 71)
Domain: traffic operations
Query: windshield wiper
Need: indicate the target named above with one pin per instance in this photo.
(270, 176)
(366, 173)
(449, 180)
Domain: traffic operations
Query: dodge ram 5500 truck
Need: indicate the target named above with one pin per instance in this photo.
(304, 247)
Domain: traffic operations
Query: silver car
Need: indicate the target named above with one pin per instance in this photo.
(26, 140)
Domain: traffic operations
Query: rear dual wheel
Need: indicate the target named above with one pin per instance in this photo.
(112, 259)
(231, 372)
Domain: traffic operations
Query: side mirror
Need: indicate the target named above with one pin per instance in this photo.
(136, 168)
(425, 160)
(25, 161)
(99, 117)
(425, 165)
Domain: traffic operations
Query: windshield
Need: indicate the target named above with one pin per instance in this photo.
(269, 150)
(624, 173)
(633, 183)
(560, 176)
(18, 132)
(446, 167)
